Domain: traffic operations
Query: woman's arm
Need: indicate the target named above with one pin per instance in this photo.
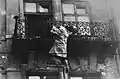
(55, 30)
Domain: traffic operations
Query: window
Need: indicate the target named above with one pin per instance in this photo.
(83, 18)
(34, 77)
(81, 11)
(37, 7)
(76, 78)
(68, 9)
(73, 12)
(30, 7)
(68, 12)
(69, 18)
(43, 7)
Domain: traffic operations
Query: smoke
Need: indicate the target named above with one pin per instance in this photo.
(115, 11)
(105, 10)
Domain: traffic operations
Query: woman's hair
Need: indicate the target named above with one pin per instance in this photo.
(71, 29)
(15, 17)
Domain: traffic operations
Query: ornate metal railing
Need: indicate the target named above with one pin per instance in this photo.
(80, 30)
(20, 28)
(90, 31)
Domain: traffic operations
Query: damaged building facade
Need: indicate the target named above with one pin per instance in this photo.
(26, 40)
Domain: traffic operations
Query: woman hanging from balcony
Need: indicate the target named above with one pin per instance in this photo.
(59, 50)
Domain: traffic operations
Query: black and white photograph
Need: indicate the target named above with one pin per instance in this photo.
(59, 39)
